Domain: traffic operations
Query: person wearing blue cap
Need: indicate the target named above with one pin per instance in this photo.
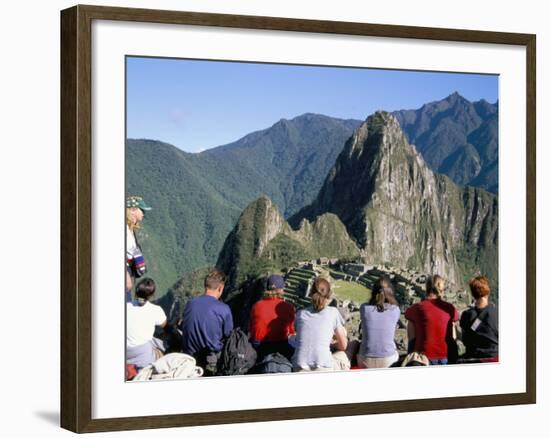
(272, 320)
(135, 262)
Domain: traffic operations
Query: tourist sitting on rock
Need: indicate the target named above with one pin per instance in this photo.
(479, 324)
(207, 323)
(272, 320)
(378, 324)
(142, 317)
(316, 326)
(432, 323)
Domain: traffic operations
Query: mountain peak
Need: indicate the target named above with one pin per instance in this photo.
(455, 101)
(379, 134)
(453, 97)
(315, 117)
(311, 116)
(376, 155)
(381, 119)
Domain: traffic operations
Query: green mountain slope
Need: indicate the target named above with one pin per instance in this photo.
(290, 159)
(197, 198)
(190, 217)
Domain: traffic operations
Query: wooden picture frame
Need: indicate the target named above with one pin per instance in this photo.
(76, 218)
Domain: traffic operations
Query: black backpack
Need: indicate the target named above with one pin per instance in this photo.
(238, 355)
(273, 363)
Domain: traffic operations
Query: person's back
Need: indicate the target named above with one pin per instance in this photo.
(141, 321)
(316, 326)
(206, 323)
(378, 323)
(272, 319)
(378, 329)
(432, 324)
(314, 333)
(142, 317)
(433, 319)
(480, 332)
(479, 323)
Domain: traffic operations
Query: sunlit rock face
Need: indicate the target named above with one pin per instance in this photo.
(399, 211)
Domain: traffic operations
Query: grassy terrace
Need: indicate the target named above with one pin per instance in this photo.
(298, 301)
(352, 291)
(298, 277)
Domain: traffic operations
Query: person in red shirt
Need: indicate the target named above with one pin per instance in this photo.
(272, 320)
(432, 323)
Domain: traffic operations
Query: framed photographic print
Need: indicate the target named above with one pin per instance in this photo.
(298, 211)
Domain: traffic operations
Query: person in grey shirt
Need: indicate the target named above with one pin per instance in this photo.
(316, 326)
(378, 323)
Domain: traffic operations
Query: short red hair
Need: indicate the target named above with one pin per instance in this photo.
(479, 286)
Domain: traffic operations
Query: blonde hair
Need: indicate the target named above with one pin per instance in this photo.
(321, 293)
(435, 285)
(132, 224)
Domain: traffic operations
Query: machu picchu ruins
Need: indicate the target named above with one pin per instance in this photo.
(409, 286)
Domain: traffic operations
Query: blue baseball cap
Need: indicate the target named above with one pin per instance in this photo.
(275, 282)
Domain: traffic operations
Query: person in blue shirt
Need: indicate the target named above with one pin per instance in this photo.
(207, 323)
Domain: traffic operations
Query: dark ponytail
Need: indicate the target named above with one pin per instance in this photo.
(382, 293)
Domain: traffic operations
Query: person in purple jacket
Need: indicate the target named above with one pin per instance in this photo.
(378, 323)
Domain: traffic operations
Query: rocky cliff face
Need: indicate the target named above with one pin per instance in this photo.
(398, 211)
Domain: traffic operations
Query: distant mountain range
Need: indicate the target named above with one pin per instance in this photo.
(457, 138)
(198, 198)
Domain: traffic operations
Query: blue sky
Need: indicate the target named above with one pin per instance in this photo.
(196, 105)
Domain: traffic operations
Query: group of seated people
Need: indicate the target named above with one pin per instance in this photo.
(314, 338)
